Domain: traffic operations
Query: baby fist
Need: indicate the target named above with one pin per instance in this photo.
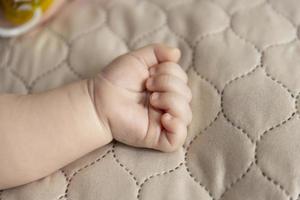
(144, 99)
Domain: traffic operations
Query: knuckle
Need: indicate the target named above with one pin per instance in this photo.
(165, 67)
(181, 73)
(174, 66)
(174, 98)
(181, 103)
(169, 66)
(166, 79)
(175, 102)
(172, 69)
(180, 127)
(178, 67)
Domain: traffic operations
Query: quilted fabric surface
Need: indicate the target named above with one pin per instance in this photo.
(243, 62)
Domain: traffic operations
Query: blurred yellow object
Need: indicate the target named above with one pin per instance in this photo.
(20, 11)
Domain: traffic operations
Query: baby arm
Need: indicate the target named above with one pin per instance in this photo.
(141, 99)
(41, 133)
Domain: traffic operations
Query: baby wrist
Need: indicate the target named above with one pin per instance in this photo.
(99, 109)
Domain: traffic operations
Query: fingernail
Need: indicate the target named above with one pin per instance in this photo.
(154, 96)
(168, 116)
(152, 71)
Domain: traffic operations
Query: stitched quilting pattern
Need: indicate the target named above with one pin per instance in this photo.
(242, 59)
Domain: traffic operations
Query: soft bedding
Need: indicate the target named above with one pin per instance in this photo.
(243, 62)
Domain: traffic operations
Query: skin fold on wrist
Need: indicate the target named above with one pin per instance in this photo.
(98, 106)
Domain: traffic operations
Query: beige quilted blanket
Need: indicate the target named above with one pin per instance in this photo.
(243, 61)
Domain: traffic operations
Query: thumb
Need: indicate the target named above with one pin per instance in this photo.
(156, 53)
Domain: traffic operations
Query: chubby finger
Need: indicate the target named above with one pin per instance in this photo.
(175, 132)
(170, 68)
(156, 53)
(168, 83)
(173, 103)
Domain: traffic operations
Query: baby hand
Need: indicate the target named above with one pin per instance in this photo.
(143, 98)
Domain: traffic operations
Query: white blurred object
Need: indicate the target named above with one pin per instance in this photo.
(19, 30)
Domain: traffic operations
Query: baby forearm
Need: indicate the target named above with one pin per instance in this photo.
(41, 133)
